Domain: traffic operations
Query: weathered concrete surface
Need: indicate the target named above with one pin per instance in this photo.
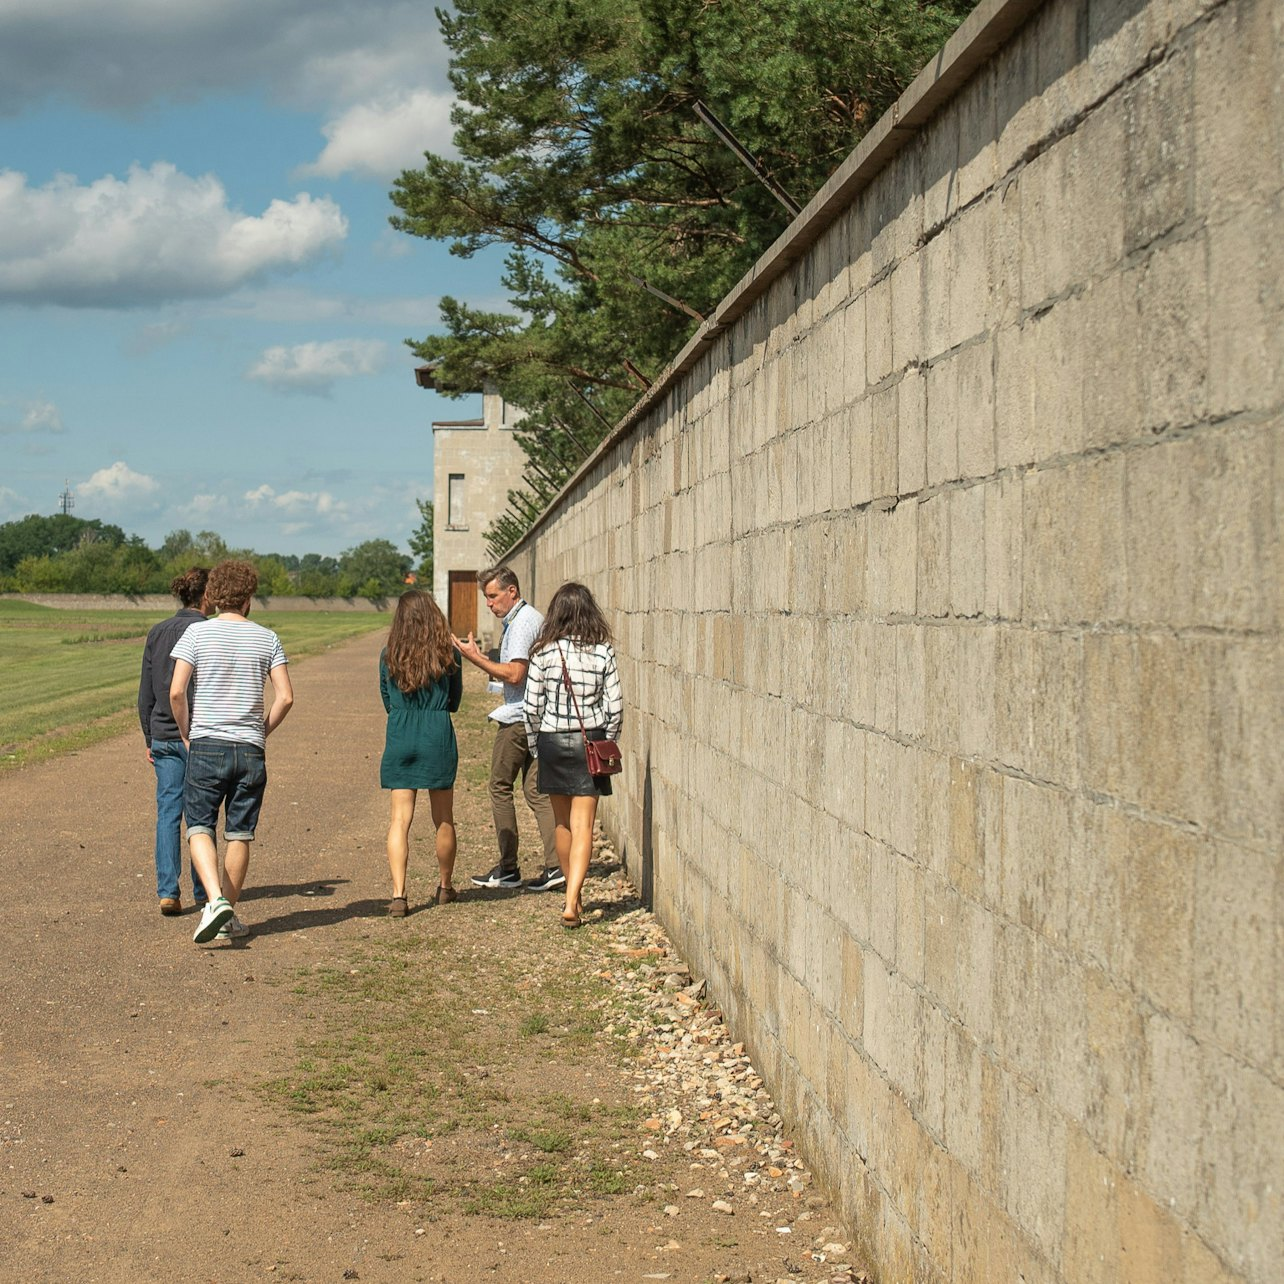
(946, 570)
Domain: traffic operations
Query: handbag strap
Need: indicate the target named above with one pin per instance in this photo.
(566, 678)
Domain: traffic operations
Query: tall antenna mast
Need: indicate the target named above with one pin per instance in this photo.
(66, 501)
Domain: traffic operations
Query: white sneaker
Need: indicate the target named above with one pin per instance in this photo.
(213, 916)
(232, 930)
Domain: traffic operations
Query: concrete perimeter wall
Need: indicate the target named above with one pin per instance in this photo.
(946, 572)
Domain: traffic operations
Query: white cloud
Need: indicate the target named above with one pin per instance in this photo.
(116, 485)
(297, 503)
(381, 138)
(313, 367)
(34, 417)
(157, 235)
(123, 55)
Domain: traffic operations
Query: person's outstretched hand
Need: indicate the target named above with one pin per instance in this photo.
(468, 649)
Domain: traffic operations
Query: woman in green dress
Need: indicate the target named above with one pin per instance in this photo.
(421, 686)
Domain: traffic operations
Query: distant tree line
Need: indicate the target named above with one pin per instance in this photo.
(65, 554)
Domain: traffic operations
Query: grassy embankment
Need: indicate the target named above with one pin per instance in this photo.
(70, 678)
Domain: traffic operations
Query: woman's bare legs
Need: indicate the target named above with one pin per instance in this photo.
(403, 812)
(442, 803)
(574, 817)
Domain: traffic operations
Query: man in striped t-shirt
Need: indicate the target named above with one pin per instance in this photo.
(225, 731)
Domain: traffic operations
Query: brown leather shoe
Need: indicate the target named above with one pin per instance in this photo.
(171, 905)
(444, 895)
(397, 907)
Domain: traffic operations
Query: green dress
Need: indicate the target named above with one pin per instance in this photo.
(420, 750)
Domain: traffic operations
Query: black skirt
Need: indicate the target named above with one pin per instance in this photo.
(562, 766)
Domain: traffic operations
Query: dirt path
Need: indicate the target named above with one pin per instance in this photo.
(137, 1141)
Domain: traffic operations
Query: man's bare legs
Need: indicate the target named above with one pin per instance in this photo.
(236, 862)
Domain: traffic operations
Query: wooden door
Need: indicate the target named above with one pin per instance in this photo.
(463, 603)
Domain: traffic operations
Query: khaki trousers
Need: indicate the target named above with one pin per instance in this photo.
(509, 759)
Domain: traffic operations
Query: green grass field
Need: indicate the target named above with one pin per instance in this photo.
(70, 678)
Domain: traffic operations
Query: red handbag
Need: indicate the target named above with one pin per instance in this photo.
(602, 756)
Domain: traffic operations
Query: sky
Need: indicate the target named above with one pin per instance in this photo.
(202, 306)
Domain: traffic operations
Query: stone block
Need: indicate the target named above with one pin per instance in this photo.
(1015, 379)
(1004, 530)
(1090, 1241)
(1172, 296)
(1160, 151)
(977, 150)
(940, 145)
(1199, 531)
(967, 551)
(935, 258)
(884, 444)
(859, 438)
(892, 580)
(961, 1129)
(1033, 1144)
(851, 998)
(1060, 344)
(1239, 1197)
(1248, 750)
(1123, 36)
(878, 331)
(942, 417)
(1173, 1116)
(911, 433)
(907, 312)
(1074, 563)
(1237, 951)
(1174, 747)
(1233, 127)
(1149, 1238)
(1036, 859)
(974, 367)
(934, 556)
(976, 656)
(1022, 113)
(1045, 271)
(910, 921)
(933, 836)
(1246, 309)
(882, 872)
(972, 309)
(1112, 362)
(883, 680)
(1093, 168)
(911, 712)
(854, 342)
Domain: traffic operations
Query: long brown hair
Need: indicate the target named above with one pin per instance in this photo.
(574, 614)
(419, 647)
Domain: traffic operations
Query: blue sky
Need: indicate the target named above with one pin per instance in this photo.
(202, 304)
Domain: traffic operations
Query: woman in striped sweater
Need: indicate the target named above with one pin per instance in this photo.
(572, 692)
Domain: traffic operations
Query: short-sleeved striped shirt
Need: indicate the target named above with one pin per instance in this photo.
(232, 659)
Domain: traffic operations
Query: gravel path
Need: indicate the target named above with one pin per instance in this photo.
(137, 1142)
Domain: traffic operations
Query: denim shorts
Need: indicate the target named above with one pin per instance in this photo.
(224, 773)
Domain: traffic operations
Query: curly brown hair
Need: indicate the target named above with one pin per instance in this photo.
(231, 585)
(419, 648)
(573, 614)
(189, 587)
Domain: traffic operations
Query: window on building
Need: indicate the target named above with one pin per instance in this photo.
(455, 503)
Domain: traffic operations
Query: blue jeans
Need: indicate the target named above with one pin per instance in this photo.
(227, 774)
(170, 760)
